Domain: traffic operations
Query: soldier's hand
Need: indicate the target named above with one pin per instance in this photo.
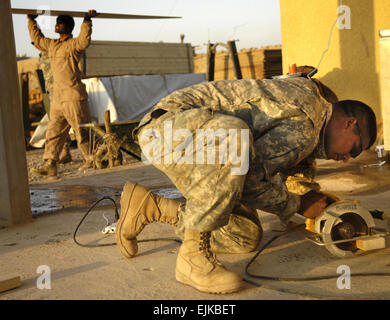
(90, 14)
(313, 204)
(32, 16)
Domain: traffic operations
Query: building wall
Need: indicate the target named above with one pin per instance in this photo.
(351, 66)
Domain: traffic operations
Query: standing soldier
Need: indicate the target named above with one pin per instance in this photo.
(44, 63)
(69, 105)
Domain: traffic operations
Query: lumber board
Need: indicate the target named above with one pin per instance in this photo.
(151, 50)
(109, 58)
(10, 283)
(80, 14)
(101, 68)
(255, 64)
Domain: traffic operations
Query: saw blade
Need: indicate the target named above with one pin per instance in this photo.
(341, 221)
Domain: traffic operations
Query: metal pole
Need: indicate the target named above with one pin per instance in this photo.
(210, 62)
(234, 59)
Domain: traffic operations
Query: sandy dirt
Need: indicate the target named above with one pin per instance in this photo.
(78, 272)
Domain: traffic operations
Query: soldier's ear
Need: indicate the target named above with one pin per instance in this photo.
(349, 122)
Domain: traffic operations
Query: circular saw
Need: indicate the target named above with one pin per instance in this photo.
(346, 227)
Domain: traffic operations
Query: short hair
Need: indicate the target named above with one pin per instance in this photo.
(365, 116)
(67, 21)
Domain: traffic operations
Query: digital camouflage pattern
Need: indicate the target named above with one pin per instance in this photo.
(209, 189)
(44, 62)
(286, 118)
(242, 234)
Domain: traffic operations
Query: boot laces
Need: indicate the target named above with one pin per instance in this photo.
(204, 247)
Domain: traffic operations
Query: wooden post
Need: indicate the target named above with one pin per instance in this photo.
(107, 125)
(210, 65)
(234, 59)
(24, 96)
(14, 192)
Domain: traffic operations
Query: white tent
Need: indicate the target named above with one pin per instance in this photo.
(127, 97)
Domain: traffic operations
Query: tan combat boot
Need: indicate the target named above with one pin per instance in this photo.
(139, 207)
(49, 169)
(198, 267)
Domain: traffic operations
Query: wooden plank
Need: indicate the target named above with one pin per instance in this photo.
(80, 14)
(106, 72)
(136, 64)
(107, 125)
(109, 58)
(255, 64)
(9, 284)
(124, 51)
(137, 43)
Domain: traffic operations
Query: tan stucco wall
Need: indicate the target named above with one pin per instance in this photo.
(351, 66)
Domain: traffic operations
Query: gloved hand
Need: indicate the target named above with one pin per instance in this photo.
(32, 16)
(90, 14)
(313, 204)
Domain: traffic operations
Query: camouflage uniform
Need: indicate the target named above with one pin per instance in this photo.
(286, 119)
(44, 62)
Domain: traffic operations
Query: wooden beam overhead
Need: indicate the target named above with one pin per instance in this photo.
(79, 14)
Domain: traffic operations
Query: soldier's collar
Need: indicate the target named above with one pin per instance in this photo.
(320, 151)
(67, 38)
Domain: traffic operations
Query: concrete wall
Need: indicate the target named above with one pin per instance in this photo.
(351, 66)
(14, 192)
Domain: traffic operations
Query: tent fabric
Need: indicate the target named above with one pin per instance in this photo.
(134, 96)
(127, 97)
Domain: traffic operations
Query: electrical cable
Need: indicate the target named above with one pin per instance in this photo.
(312, 73)
(297, 279)
(116, 219)
(257, 276)
(85, 215)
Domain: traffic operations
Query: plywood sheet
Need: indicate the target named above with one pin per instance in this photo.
(110, 58)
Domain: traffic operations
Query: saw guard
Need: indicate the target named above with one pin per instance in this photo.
(333, 215)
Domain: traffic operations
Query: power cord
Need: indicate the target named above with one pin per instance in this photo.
(257, 276)
(116, 219)
(332, 276)
(298, 279)
(85, 215)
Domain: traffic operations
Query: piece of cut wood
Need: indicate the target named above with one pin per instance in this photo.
(80, 14)
(107, 124)
(9, 284)
(114, 58)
